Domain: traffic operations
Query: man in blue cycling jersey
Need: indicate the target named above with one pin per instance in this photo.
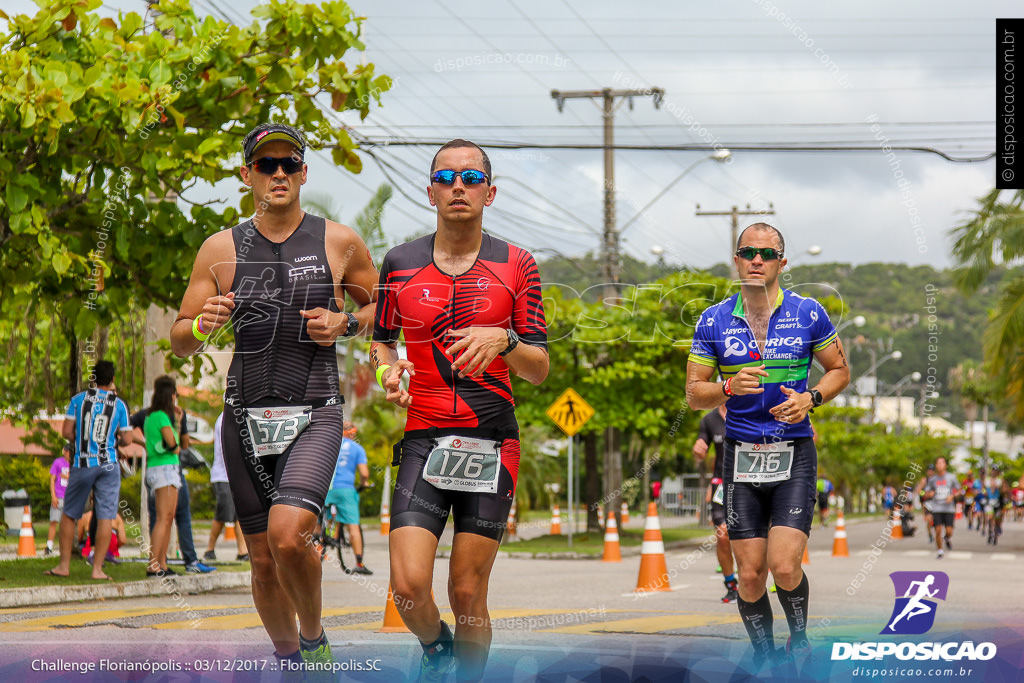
(762, 342)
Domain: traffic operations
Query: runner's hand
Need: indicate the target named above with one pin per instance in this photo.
(747, 381)
(793, 409)
(392, 380)
(479, 346)
(216, 312)
(323, 326)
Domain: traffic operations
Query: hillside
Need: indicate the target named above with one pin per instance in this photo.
(899, 302)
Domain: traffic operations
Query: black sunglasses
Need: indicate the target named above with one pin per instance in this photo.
(469, 177)
(767, 253)
(268, 165)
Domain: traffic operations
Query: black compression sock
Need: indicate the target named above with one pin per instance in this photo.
(312, 644)
(443, 642)
(757, 619)
(359, 559)
(794, 604)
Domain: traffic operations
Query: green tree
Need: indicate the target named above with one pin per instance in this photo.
(108, 125)
(994, 236)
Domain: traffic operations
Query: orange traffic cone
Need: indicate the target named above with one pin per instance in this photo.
(392, 619)
(839, 546)
(959, 511)
(611, 541)
(600, 515)
(653, 570)
(807, 558)
(625, 514)
(229, 531)
(512, 520)
(896, 525)
(556, 521)
(385, 517)
(27, 539)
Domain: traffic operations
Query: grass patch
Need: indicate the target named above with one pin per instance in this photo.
(28, 572)
(593, 543)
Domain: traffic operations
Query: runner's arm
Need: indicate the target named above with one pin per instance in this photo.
(382, 354)
(67, 430)
(701, 392)
(202, 298)
(837, 371)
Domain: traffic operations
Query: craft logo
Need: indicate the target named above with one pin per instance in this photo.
(916, 592)
(914, 614)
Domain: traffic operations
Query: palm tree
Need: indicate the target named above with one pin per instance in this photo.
(370, 228)
(992, 238)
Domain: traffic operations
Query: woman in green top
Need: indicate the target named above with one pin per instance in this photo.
(162, 471)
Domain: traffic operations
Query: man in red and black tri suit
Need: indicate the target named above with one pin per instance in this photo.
(471, 311)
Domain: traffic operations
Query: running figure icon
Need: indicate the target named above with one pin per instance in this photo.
(916, 606)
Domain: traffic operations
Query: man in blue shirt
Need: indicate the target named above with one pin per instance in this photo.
(95, 424)
(344, 494)
(762, 342)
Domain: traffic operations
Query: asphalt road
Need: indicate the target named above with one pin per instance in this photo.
(554, 619)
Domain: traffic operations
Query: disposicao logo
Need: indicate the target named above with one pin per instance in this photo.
(916, 592)
(914, 614)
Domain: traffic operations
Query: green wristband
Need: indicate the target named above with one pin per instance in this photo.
(196, 333)
(380, 375)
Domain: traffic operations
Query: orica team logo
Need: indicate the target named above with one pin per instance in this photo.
(734, 346)
(916, 595)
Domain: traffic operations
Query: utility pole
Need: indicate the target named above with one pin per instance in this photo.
(610, 257)
(734, 234)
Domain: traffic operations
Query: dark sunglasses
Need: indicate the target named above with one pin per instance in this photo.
(767, 253)
(268, 165)
(469, 177)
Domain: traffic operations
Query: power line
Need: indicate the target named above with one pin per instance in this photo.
(704, 148)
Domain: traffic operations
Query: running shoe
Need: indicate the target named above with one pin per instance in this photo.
(940, 555)
(198, 567)
(321, 654)
(242, 558)
(439, 659)
(361, 569)
(210, 555)
(731, 592)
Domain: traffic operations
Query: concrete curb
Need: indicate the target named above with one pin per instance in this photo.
(633, 551)
(104, 590)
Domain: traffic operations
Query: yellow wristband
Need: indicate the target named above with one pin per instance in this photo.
(380, 375)
(196, 333)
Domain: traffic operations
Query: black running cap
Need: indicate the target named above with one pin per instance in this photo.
(271, 132)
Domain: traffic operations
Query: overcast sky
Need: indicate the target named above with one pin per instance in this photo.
(746, 72)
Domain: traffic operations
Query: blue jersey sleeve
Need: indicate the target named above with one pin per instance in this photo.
(74, 406)
(823, 332)
(702, 351)
(121, 420)
(360, 455)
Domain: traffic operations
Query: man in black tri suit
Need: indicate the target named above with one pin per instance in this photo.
(280, 278)
(469, 306)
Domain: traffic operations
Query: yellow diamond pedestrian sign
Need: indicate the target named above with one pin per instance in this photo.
(570, 412)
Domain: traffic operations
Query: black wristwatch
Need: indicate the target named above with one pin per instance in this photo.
(353, 326)
(513, 342)
(816, 398)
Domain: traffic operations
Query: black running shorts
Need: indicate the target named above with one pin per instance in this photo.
(421, 504)
(299, 477)
(751, 509)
